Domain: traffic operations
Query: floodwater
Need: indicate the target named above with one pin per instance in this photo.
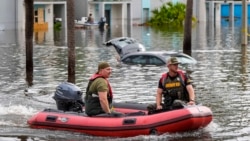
(221, 78)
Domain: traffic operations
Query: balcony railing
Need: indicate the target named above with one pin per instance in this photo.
(224, 0)
(48, 0)
(109, 0)
(88, 0)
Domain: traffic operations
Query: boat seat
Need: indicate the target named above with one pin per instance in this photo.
(118, 114)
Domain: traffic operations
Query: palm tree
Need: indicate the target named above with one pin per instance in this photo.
(71, 40)
(29, 22)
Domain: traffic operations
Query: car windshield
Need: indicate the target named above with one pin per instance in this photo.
(135, 60)
(123, 43)
(143, 60)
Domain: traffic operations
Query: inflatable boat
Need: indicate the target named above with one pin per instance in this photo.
(134, 121)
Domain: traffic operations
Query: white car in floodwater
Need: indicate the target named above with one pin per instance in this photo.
(158, 58)
(125, 45)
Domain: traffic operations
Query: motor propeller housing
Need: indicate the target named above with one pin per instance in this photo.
(68, 97)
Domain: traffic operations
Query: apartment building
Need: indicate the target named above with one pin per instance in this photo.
(117, 12)
(45, 12)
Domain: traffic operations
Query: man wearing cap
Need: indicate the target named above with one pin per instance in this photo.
(98, 99)
(175, 86)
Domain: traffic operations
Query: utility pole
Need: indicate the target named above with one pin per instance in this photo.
(71, 40)
(187, 42)
(29, 23)
(244, 23)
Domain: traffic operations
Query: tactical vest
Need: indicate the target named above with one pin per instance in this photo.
(92, 102)
(174, 89)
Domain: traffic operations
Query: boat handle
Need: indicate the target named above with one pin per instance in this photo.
(129, 121)
(51, 118)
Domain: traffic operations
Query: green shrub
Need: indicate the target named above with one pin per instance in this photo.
(169, 14)
(57, 26)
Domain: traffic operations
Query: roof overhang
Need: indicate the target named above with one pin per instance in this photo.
(109, 1)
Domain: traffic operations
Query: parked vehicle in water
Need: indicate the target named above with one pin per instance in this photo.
(158, 58)
(125, 45)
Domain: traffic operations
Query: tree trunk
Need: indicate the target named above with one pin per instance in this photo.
(71, 41)
(29, 23)
(187, 43)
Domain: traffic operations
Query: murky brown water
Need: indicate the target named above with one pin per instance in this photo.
(221, 79)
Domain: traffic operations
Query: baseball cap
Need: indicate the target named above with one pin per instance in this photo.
(172, 61)
(103, 65)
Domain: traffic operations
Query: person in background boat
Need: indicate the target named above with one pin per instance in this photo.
(175, 87)
(90, 19)
(98, 99)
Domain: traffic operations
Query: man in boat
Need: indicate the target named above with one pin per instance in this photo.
(90, 19)
(176, 88)
(98, 99)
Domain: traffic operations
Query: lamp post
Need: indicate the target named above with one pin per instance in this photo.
(244, 23)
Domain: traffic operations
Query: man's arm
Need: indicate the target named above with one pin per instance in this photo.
(159, 99)
(191, 94)
(104, 101)
(190, 90)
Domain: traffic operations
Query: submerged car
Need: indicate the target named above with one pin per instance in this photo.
(158, 58)
(125, 45)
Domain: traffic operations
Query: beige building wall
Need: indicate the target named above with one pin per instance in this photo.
(20, 20)
(49, 15)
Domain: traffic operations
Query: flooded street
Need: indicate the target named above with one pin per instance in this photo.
(221, 79)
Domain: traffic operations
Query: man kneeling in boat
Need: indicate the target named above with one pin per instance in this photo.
(98, 99)
(176, 88)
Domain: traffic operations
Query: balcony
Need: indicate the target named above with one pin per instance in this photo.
(109, 0)
(49, 0)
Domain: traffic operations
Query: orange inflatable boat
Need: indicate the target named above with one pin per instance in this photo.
(135, 121)
(186, 119)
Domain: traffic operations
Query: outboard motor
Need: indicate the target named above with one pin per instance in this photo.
(68, 97)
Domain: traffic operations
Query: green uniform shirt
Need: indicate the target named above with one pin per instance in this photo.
(99, 85)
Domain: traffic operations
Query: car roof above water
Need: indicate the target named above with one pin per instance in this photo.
(165, 55)
(154, 53)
